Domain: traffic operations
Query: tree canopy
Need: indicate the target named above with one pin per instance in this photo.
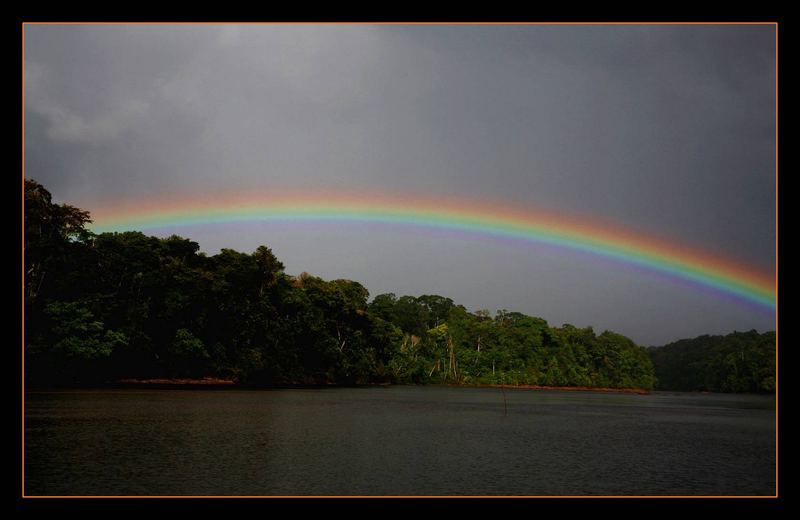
(737, 362)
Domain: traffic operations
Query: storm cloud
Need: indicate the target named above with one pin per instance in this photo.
(668, 130)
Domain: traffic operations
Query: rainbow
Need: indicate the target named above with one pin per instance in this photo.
(456, 215)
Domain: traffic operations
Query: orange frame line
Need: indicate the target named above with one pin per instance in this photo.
(777, 382)
(398, 23)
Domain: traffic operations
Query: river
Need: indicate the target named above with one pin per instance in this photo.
(400, 440)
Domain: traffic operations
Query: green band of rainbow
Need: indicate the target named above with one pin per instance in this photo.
(461, 215)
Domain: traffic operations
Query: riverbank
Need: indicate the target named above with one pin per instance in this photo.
(639, 391)
(220, 383)
(217, 382)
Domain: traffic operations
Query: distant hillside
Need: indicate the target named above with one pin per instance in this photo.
(737, 362)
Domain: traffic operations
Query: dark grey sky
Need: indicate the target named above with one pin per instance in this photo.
(669, 130)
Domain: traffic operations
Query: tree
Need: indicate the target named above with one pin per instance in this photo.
(73, 344)
(737, 362)
(187, 354)
(49, 230)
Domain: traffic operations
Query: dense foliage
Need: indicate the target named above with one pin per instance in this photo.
(444, 343)
(738, 362)
(100, 307)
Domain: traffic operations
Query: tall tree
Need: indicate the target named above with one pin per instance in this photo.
(49, 230)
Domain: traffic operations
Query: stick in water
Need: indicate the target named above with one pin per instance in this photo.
(505, 406)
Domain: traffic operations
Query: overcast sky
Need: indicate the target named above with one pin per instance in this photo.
(669, 130)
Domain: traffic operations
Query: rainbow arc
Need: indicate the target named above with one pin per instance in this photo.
(477, 218)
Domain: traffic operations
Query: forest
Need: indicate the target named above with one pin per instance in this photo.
(736, 362)
(104, 307)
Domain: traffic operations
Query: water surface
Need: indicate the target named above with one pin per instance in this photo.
(396, 441)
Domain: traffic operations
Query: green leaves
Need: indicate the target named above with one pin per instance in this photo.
(76, 334)
(512, 348)
(737, 362)
(186, 345)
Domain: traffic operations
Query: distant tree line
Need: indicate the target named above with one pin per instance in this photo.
(737, 362)
(102, 307)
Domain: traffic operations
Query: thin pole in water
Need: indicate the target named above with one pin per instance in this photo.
(505, 405)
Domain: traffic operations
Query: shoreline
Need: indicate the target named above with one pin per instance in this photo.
(211, 383)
